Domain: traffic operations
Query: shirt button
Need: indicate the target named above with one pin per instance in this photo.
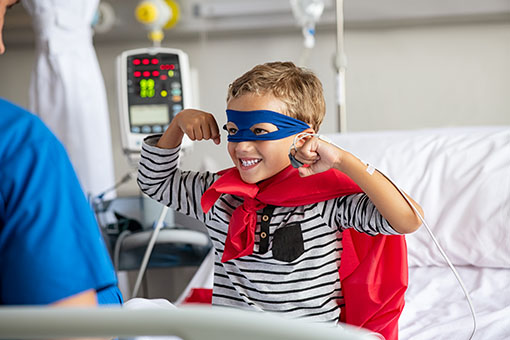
(265, 218)
(263, 235)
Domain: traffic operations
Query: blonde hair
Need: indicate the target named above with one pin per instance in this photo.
(298, 88)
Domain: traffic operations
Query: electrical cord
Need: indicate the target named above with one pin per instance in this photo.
(125, 233)
(148, 251)
(370, 169)
(123, 180)
(118, 244)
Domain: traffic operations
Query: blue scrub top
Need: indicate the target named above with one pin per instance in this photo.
(50, 244)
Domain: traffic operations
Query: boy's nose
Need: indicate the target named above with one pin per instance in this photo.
(243, 146)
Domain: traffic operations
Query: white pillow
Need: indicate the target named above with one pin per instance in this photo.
(460, 177)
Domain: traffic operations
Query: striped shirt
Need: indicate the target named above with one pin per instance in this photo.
(294, 266)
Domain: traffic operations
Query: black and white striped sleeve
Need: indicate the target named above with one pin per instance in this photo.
(160, 178)
(356, 211)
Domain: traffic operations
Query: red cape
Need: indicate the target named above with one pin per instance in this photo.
(374, 279)
(373, 269)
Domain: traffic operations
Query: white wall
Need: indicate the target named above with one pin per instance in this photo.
(397, 78)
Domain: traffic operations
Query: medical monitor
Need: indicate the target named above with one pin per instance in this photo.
(153, 85)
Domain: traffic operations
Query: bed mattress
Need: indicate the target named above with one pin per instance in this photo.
(437, 309)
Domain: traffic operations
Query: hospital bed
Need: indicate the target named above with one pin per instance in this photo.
(461, 178)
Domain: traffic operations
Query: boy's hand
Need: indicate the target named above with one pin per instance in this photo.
(319, 155)
(196, 124)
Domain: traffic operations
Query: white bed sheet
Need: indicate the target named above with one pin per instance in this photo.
(437, 309)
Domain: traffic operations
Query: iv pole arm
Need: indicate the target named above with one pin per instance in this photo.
(340, 65)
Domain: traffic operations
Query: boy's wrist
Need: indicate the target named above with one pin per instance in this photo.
(347, 163)
(172, 137)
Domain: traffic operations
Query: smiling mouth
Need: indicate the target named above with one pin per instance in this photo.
(246, 163)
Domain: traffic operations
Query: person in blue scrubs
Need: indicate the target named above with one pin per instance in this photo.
(51, 248)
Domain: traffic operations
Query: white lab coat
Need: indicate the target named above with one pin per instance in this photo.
(67, 89)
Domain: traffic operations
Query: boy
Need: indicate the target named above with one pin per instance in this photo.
(277, 231)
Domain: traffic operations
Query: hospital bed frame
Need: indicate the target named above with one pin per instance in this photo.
(188, 323)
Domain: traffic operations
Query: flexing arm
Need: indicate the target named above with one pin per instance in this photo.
(159, 175)
(198, 125)
(393, 207)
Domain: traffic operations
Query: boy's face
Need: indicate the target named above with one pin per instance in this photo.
(260, 159)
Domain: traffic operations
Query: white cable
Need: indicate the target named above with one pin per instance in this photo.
(371, 169)
(443, 253)
(118, 245)
(148, 251)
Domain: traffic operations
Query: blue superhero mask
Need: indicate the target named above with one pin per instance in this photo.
(244, 120)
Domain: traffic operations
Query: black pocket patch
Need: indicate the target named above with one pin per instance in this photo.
(288, 243)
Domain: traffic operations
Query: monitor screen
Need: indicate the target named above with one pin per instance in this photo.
(156, 114)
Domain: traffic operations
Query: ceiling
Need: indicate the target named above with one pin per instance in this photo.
(232, 17)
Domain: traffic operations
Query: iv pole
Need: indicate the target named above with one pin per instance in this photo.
(340, 65)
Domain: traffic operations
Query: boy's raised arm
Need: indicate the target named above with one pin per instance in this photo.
(196, 124)
(393, 207)
(383, 194)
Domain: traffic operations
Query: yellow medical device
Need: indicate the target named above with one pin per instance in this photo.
(157, 15)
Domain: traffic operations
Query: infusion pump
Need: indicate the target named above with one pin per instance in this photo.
(153, 85)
